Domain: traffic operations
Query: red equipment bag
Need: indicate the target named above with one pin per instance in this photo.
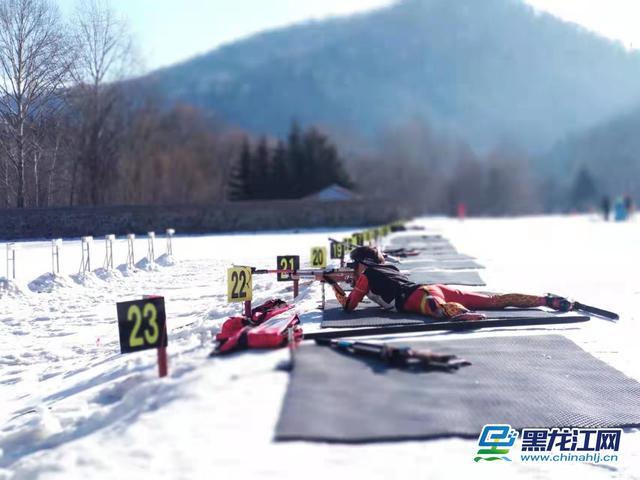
(267, 328)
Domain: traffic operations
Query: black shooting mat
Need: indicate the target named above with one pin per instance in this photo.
(471, 279)
(437, 256)
(524, 381)
(425, 238)
(403, 242)
(371, 315)
(438, 264)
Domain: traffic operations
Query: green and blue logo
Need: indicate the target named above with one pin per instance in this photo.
(495, 441)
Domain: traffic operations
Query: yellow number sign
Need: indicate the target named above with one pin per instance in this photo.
(319, 257)
(239, 284)
(142, 324)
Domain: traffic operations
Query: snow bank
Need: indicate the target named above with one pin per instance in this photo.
(166, 260)
(12, 288)
(107, 274)
(147, 265)
(49, 282)
(86, 279)
(126, 270)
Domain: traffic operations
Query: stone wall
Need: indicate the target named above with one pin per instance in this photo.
(232, 216)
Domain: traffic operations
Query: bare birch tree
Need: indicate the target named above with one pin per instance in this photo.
(35, 59)
(104, 57)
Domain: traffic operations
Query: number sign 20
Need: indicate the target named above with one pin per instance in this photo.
(287, 262)
(142, 324)
(239, 284)
(319, 257)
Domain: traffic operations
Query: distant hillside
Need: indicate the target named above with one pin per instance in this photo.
(488, 71)
(610, 152)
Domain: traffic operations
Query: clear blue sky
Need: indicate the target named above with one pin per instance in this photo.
(168, 31)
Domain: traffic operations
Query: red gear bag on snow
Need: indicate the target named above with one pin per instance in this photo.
(267, 328)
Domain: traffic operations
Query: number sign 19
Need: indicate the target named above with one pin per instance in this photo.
(142, 324)
(337, 250)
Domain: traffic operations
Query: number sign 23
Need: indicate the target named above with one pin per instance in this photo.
(142, 324)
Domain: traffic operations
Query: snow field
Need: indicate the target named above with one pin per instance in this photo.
(72, 406)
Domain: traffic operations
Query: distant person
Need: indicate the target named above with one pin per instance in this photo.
(384, 284)
(462, 210)
(628, 205)
(606, 207)
(619, 210)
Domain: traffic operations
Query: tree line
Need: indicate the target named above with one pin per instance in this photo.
(74, 131)
(306, 163)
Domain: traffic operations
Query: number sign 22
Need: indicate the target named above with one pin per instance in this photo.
(142, 324)
(239, 284)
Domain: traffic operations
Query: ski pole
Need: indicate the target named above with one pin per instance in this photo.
(402, 357)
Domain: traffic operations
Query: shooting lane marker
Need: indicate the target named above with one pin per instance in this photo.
(151, 252)
(142, 325)
(319, 257)
(130, 253)
(289, 262)
(85, 262)
(108, 249)
(240, 287)
(55, 256)
(170, 233)
(11, 260)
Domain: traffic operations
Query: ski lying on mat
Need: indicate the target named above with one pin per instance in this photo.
(448, 325)
(595, 311)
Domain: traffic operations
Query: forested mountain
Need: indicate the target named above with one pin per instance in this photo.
(609, 152)
(485, 71)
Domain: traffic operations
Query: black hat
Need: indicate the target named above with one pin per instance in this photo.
(367, 255)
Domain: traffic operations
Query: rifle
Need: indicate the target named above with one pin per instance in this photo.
(328, 274)
(399, 357)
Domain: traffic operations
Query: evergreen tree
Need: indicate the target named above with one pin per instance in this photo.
(584, 192)
(239, 184)
(261, 172)
(296, 161)
(307, 163)
(280, 181)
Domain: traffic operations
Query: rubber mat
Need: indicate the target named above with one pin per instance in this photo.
(400, 240)
(446, 278)
(439, 256)
(371, 315)
(524, 381)
(438, 265)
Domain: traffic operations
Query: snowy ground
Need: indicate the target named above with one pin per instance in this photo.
(72, 407)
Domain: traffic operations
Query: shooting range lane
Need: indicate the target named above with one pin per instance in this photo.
(436, 264)
(541, 380)
(334, 316)
(423, 270)
(466, 278)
